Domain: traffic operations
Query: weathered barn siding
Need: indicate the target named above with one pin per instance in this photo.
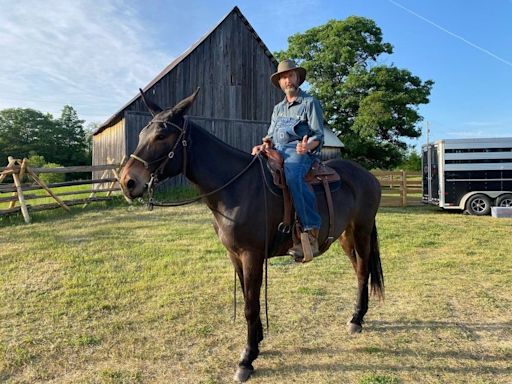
(230, 64)
(109, 144)
(232, 71)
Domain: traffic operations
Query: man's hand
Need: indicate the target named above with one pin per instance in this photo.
(256, 149)
(267, 143)
(302, 146)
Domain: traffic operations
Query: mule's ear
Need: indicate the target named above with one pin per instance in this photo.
(184, 105)
(152, 107)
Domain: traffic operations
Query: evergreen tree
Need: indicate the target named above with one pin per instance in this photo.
(72, 140)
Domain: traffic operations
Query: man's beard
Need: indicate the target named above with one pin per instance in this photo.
(291, 90)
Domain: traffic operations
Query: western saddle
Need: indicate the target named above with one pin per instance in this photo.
(319, 174)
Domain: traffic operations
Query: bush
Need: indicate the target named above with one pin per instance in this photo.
(36, 161)
(48, 178)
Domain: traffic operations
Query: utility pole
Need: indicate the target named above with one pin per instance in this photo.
(429, 163)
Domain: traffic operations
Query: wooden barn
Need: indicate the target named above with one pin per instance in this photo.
(232, 66)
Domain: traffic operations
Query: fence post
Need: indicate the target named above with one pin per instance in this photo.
(21, 198)
(403, 188)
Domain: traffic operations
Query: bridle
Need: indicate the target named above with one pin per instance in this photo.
(164, 160)
(154, 179)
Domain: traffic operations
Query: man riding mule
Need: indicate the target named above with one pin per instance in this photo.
(296, 131)
(171, 144)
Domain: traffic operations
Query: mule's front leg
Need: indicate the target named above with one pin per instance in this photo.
(253, 273)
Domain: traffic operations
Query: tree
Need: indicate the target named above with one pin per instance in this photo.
(411, 162)
(371, 107)
(89, 133)
(25, 131)
(71, 138)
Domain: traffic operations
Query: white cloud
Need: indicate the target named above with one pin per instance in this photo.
(93, 55)
(477, 133)
(485, 124)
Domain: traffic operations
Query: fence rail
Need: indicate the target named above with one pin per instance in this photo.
(19, 170)
(399, 188)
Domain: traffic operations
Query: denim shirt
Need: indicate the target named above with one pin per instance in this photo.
(303, 116)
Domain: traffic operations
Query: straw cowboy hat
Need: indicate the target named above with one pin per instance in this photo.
(285, 66)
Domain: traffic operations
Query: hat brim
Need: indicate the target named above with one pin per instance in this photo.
(301, 72)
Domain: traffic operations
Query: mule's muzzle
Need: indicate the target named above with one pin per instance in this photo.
(133, 183)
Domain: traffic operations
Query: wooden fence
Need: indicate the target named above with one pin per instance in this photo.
(399, 188)
(15, 191)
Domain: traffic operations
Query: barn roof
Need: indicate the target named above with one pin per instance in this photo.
(118, 115)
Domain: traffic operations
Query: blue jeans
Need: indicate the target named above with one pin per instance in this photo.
(295, 168)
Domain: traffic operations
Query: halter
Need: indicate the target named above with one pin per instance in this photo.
(164, 159)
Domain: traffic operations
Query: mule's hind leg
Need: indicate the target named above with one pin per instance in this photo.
(356, 244)
(347, 244)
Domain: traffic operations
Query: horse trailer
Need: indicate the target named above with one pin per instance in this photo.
(468, 174)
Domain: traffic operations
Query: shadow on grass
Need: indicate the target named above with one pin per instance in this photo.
(293, 369)
(396, 326)
(477, 363)
(474, 363)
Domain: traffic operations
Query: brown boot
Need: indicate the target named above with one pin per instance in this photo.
(313, 241)
(297, 251)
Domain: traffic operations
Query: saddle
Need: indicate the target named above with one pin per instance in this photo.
(318, 174)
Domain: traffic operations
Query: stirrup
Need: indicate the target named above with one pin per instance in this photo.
(306, 247)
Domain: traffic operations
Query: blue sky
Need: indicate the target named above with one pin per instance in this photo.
(95, 54)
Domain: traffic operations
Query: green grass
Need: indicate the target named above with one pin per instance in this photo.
(117, 294)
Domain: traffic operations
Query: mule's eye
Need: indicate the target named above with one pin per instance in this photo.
(160, 137)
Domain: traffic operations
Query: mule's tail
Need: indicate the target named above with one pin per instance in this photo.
(376, 274)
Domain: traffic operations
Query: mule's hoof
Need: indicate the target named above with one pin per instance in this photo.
(354, 328)
(243, 374)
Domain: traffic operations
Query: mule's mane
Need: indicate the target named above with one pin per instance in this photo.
(194, 129)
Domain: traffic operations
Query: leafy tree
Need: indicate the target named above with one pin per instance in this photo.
(23, 131)
(89, 131)
(411, 162)
(371, 107)
(49, 178)
(72, 140)
(26, 131)
(35, 160)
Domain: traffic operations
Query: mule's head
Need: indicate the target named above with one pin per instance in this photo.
(156, 141)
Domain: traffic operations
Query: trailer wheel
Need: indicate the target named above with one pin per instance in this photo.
(479, 205)
(504, 200)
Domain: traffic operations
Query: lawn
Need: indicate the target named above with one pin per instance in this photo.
(117, 294)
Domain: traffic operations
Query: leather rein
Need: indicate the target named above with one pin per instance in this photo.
(154, 179)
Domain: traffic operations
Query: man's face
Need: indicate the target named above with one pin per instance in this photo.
(288, 81)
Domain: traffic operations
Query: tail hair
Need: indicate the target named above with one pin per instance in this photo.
(376, 274)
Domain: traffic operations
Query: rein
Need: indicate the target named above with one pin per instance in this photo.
(153, 181)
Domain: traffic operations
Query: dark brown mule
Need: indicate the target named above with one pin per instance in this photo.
(240, 219)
